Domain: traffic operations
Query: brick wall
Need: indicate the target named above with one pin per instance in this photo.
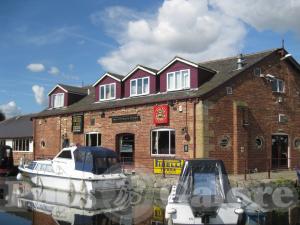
(255, 94)
(51, 130)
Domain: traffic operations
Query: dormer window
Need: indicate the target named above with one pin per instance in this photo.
(57, 100)
(107, 91)
(277, 85)
(178, 80)
(139, 86)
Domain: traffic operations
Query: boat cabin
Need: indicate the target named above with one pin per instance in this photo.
(204, 185)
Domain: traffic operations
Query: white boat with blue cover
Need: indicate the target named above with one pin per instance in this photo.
(77, 169)
(203, 196)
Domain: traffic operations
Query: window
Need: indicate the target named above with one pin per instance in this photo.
(257, 71)
(65, 154)
(163, 142)
(178, 80)
(139, 86)
(21, 144)
(93, 139)
(259, 141)
(277, 85)
(107, 91)
(2, 142)
(57, 100)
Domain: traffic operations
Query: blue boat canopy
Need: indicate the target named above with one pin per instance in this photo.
(97, 160)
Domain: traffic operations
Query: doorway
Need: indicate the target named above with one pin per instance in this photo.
(125, 147)
(280, 144)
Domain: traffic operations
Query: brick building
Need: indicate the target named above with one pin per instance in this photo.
(17, 132)
(243, 110)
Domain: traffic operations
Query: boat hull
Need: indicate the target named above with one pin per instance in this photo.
(76, 184)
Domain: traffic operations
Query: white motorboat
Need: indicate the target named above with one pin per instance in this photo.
(76, 208)
(203, 196)
(77, 169)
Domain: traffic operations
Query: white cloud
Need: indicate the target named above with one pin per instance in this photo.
(188, 28)
(276, 15)
(53, 70)
(36, 67)
(39, 94)
(10, 109)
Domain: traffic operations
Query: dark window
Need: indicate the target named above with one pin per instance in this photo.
(93, 139)
(277, 85)
(163, 142)
(65, 155)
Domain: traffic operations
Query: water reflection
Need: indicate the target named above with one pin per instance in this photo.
(24, 204)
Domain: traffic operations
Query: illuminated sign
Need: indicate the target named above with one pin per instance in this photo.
(161, 114)
(168, 166)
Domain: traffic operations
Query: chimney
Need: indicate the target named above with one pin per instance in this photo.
(240, 62)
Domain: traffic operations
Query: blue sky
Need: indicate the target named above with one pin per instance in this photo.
(74, 42)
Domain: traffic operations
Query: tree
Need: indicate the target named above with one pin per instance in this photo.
(2, 116)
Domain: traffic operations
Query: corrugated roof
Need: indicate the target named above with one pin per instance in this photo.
(226, 70)
(17, 127)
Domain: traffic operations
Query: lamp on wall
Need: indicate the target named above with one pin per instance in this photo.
(102, 114)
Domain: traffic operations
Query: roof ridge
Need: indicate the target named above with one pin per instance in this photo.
(247, 55)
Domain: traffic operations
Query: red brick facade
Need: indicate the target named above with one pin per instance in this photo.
(255, 95)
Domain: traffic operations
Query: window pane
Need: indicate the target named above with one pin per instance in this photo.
(93, 141)
(65, 155)
(280, 85)
(172, 140)
(274, 85)
(112, 90)
(171, 81)
(139, 86)
(87, 140)
(185, 79)
(154, 142)
(107, 92)
(133, 87)
(102, 92)
(163, 142)
(177, 80)
(99, 139)
(146, 86)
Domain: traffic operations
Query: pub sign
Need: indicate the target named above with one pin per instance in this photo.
(161, 114)
(77, 123)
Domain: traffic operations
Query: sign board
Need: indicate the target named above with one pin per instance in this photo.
(125, 118)
(158, 214)
(161, 114)
(77, 123)
(168, 166)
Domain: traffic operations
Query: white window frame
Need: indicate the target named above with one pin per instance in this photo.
(89, 133)
(277, 85)
(62, 95)
(163, 129)
(181, 80)
(136, 90)
(16, 148)
(107, 86)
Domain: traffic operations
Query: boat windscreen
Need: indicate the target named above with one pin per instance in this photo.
(203, 179)
(97, 164)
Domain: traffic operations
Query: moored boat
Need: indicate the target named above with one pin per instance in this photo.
(203, 196)
(77, 169)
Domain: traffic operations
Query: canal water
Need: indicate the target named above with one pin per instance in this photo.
(21, 204)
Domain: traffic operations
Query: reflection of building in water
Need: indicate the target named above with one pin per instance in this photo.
(54, 207)
(286, 216)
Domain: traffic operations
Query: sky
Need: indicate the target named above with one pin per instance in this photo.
(75, 42)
